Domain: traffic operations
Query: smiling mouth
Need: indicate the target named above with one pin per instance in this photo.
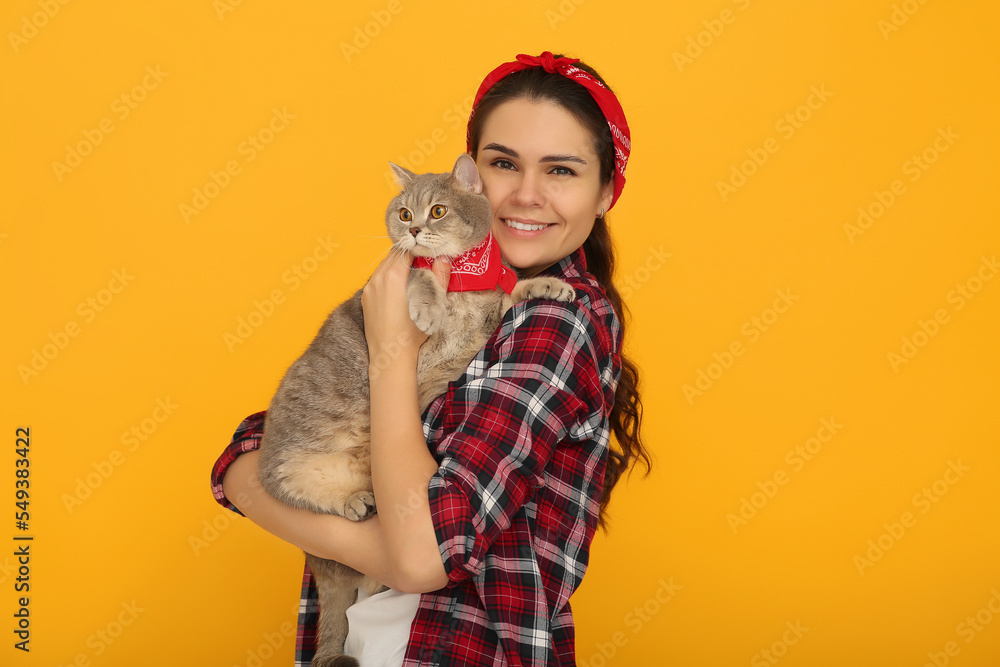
(523, 226)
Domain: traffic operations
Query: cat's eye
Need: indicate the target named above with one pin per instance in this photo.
(405, 215)
(438, 211)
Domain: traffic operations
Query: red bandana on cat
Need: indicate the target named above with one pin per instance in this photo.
(477, 269)
(605, 99)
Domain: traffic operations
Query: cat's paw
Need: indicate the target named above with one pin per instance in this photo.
(360, 506)
(543, 288)
(428, 303)
(427, 316)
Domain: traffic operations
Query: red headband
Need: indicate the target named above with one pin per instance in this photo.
(605, 99)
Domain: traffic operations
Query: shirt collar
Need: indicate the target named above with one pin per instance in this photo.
(573, 265)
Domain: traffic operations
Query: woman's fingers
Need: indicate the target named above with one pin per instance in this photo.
(442, 270)
(386, 306)
(393, 266)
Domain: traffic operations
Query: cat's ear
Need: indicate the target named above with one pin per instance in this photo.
(403, 175)
(466, 173)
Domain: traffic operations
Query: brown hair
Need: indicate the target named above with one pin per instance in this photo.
(535, 84)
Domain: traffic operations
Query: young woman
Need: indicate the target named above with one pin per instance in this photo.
(488, 502)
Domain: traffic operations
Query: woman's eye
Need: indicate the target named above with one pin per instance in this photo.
(405, 215)
(564, 171)
(438, 211)
(502, 163)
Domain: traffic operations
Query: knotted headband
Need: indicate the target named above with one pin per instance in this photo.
(605, 99)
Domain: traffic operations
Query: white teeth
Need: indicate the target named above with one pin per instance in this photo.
(522, 226)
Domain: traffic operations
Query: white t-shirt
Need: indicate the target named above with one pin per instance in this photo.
(379, 627)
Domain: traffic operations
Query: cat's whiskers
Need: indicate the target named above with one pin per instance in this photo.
(450, 249)
(383, 254)
(396, 254)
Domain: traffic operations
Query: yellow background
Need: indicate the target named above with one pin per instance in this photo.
(143, 539)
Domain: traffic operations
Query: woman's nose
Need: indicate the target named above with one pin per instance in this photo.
(528, 191)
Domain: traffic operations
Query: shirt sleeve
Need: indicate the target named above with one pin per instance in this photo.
(540, 390)
(246, 439)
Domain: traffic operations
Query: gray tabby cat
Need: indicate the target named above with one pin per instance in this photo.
(314, 452)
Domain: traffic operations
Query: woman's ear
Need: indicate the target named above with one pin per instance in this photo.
(607, 195)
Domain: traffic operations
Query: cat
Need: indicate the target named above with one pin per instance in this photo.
(314, 451)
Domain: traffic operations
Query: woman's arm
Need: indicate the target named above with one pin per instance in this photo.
(402, 465)
(358, 544)
(398, 545)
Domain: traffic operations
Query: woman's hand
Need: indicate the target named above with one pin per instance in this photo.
(388, 326)
(401, 463)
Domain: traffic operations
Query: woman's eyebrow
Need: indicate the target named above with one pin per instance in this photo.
(563, 158)
(548, 158)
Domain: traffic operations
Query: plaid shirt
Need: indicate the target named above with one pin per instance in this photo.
(522, 441)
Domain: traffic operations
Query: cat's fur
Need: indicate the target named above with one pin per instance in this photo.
(314, 452)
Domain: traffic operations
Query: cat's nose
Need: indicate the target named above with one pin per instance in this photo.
(414, 231)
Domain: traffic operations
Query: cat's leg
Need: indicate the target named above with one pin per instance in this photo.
(373, 586)
(337, 587)
(340, 483)
(334, 478)
(428, 300)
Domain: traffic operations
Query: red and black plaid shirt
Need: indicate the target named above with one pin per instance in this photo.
(522, 441)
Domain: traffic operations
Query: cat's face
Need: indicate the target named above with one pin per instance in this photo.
(439, 214)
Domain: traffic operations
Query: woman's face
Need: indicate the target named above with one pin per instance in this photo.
(542, 177)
